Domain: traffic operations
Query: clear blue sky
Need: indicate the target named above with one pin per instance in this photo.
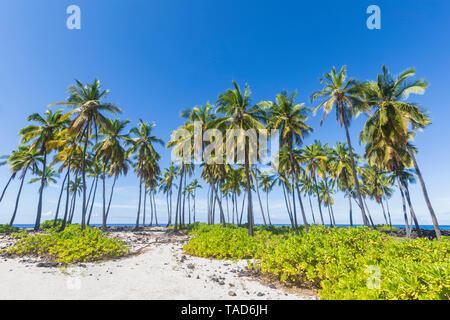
(158, 57)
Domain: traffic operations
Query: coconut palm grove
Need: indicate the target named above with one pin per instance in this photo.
(324, 211)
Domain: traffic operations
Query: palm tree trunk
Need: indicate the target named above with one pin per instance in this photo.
(384, 211)
(425, 194)
(18, 197)
(355, 175)
(92, 203)
(139, 205)
(111, 195)
(411, 209)
(37, 224)
(59, 201)
(168, 209)
(249, 192)
(305, 221)
(267, 206)
(178, 207)
(287, 203)
(347, 188)
(194, 206)
(66, 212)
(295, 225)
(145, 207)
(154, 207)
(242, 209)
(318, 200)
(260, 203)
(90, 194)
(368, 213)
(83, 171)
(405, 215)
(189, 207)
(215, 193)
(104, 198)
(6, 187)
(311, 206)
(388, 211)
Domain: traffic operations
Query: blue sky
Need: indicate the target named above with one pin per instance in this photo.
(159, 57)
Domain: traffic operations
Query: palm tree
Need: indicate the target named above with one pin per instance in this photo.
(205, 117)
(88, 107)
(167, 183)
(146, 157)
(343, 95)
(111, 151)
(46, 129)
(69, 155)
(312, 156)
(194, 185)
(386, 132)
(21, 160)
(290, 118)
(341, 169)
(238, 114)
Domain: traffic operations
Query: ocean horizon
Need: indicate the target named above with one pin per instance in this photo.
(425, 226)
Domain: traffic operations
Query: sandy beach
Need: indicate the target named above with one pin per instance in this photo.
(157, 269)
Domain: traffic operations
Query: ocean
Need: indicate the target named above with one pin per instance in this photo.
(425, 227)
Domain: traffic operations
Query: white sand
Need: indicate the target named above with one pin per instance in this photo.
(161, 271)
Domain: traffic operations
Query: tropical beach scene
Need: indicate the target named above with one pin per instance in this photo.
(178, 150)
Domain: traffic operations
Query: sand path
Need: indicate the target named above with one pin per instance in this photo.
(160, 271)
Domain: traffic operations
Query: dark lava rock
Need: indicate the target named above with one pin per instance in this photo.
(232, 293)
(47, 265)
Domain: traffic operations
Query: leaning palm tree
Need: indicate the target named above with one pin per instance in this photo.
(47, 127)
(146, 158)
(386, 133)
(5, 160)
(22, 160)
(290, 118)
(342, 95)
(88, 120)
(240, 115)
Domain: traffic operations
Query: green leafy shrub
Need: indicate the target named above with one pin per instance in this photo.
(353, 263)
(6, 228)
(48, 224)
(70, 246)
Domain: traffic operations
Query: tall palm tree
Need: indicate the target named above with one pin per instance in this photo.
(290, 118)
(311, 156)
(111, 151)
(342, 95)
(240, 115)
(341, 169)
(386, 132)
(46, 129)
(205, 117)
(22, 160)
(167, 183)
(146, 157)
(88, 119)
